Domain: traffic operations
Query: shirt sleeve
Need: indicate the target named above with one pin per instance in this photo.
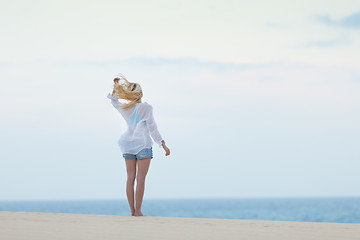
(151, 125)
(114, 101)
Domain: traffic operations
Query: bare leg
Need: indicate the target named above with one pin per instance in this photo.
(131, 174)
(143, 167)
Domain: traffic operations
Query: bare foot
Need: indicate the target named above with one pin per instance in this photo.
(133, 213)
(138, 213)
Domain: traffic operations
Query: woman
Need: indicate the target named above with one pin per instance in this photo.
(135, 143)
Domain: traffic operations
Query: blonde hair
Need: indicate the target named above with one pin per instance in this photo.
(128, 91)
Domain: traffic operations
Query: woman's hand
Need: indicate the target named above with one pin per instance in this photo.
(116, 80)
(167, 150)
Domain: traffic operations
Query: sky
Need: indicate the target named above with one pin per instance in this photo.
(254, 99)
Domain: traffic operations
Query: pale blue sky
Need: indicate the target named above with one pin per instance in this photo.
(255, 99)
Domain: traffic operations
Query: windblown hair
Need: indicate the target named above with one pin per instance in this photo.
(127, 90)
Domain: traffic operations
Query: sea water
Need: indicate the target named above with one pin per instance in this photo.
(339, 210)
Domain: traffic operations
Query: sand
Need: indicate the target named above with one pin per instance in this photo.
(39, 226)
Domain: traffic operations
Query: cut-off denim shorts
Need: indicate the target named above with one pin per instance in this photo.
(145, 153)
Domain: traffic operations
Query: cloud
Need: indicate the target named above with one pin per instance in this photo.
(276, 25)
(350, 21)
(339, 41)
(5, 64)
(176, 62)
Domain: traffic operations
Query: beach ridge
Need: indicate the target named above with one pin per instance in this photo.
(35, 225)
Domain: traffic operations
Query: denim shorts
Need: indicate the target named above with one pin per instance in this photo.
(145, 153)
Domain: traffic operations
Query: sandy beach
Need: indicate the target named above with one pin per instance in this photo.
(31, 226)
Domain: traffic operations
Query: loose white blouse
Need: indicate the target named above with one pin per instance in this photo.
(141, 125)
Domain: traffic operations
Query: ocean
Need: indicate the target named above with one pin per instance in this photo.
(338, 210)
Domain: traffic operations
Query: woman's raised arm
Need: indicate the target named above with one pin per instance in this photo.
(114, 101)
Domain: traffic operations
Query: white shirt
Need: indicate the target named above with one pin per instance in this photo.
(141, 125)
